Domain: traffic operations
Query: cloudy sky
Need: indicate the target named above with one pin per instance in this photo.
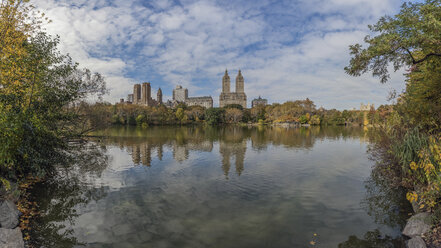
(287, 50)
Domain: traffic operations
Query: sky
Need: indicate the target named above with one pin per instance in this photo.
(286, 50)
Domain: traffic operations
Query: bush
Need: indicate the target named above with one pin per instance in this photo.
(424, 175)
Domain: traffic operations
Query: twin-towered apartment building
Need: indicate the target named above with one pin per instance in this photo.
(142, 95)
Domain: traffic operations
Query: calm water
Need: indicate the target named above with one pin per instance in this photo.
(219, 187)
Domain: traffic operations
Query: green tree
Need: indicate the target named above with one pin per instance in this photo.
(236, 106)
(303, 119)
(180, 114)
(215, 116)
(140, 119)
(409, 38)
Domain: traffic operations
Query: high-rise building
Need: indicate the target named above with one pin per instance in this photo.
(146, 94)
(137, 94)
(159, 96)
(180, 94)
(239, 97)
(142, 94)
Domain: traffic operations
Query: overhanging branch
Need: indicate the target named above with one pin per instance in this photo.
(426, 57)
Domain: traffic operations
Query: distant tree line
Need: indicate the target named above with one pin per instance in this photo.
(297, 112)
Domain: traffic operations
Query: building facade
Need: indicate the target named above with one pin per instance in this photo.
(130, 98)
(227, 97)
(204, 101)
(259, 101)
(142, 94)
(180, 95)
(366, 107)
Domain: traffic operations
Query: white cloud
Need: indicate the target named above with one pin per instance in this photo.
(286, 50)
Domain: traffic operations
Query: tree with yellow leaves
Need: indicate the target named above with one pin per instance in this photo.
(40, 91)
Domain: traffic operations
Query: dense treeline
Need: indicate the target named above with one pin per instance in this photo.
(295, 112)
(408, 146)
(40, 95)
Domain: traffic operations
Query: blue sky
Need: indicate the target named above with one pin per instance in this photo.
(287, 50)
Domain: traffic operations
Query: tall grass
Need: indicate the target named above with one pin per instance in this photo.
(406, 150)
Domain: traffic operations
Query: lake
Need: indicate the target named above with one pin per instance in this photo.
(220, 187)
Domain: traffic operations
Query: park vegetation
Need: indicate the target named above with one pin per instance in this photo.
(409, 145)
(43, 106)
(299, 112)
(41, 95)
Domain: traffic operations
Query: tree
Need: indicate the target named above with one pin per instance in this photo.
(258, 112)
(215, 116)
(140, 119)
(180, 114)
(233, 115)
(237, 106)
(195, 113)
(246, 115)
(315, 120)
(41, 92)
(410, 38)
(303, 119)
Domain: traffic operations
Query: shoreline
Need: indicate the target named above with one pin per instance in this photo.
(11, 235)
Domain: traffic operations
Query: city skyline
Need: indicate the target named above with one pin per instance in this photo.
(289, 49)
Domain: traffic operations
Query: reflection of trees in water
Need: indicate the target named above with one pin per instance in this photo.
(386, 203)
(142, 143)
(372, 239)
(59, 196)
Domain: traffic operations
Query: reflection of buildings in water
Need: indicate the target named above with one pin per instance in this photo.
(146, 154)
(236, 150)
(160, 152)
(136, 155)
(180, 153)
(142, 152)
(259, 139)
(232, 141)
(206, 146)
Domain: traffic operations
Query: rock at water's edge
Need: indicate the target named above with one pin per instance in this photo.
(416, 242)
(417, 225)
(11, 238)
(9, 214)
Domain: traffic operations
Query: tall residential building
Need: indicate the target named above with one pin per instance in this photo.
(159, 96)
(146, 94)
(180, 94)
(142, 94)
(239, 97)
(137, 93)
